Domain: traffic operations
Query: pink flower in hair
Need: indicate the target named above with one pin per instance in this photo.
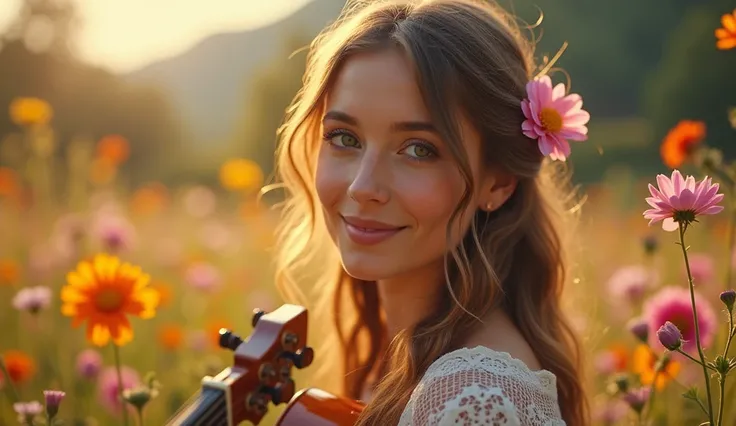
(552, 117)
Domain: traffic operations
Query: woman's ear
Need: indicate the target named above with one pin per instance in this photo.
(496, 189)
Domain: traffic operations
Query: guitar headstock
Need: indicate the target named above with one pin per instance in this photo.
(263, 363)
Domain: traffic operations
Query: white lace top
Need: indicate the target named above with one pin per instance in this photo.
(480, 386)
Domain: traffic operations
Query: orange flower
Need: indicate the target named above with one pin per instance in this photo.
(102, 292)
(9, 182)
(170, 336)
(30, 111)
(9, 272)
(113, 148)
(681, 141)
(21, 367)
(727, 35)
(644, 364)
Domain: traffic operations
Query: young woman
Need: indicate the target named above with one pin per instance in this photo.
(422, 202)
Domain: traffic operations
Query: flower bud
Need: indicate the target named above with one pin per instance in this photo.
(728, 298)
(650, 244)
(669, 336)
(137, 397)
(723, 365)
(637, 398)
(53, 400)
(639, 328)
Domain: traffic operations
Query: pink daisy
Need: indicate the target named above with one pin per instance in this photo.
(107, 386)
(553, 117)
(673, 304)
(681, 199)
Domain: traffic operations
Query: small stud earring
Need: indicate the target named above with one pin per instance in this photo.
(489, 206)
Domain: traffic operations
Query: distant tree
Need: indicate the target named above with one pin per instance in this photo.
(694, 79)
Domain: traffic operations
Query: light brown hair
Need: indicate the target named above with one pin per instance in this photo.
(470, 58)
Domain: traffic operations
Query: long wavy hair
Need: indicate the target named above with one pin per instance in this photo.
(470, 57)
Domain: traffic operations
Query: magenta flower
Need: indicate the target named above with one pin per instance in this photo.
(89, 363)
(631, 282)
(107, 387)
(32, 299)
(552, 117)
(681, 200)
(673, 304)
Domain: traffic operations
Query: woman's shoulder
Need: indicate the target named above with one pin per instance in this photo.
(480, 383)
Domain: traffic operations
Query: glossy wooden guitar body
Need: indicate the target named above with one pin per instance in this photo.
(314, 407)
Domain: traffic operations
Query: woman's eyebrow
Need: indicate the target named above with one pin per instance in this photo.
(401, 126)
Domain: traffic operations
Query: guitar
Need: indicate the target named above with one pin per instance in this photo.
(261, 375)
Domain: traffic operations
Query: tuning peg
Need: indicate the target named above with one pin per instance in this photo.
(228, 340)
(301, 358)
(282, 392)
(257, 314)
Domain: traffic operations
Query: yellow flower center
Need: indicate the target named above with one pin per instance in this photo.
(551, 119)
(108, 300)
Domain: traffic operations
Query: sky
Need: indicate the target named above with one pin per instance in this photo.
(123, 35)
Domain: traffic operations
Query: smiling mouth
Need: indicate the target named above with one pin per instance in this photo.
(366, 232)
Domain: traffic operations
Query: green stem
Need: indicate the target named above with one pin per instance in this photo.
(731, 332)
(140, 416)
(722, 391)
(8, 382)
(116, 351)
(695, 319)
(695, 360)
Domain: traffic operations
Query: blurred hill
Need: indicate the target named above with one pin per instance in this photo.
(210, 81)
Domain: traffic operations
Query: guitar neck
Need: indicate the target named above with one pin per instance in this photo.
(206, 408)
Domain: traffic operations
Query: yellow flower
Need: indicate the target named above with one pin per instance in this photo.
(30, 111)
(102, 292)
(240, 174)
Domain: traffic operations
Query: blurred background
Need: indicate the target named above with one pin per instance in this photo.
(144, 128)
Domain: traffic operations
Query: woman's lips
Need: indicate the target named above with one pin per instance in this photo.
(369, 232)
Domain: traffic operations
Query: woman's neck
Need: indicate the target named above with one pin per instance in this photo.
(411, 297)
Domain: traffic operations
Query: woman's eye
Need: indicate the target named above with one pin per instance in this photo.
(419, 151)
(346, 140)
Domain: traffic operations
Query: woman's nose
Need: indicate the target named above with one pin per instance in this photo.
(368, 184)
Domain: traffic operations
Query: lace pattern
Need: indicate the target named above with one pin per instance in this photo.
(480, 386)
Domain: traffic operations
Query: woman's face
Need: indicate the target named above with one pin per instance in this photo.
(387, 182)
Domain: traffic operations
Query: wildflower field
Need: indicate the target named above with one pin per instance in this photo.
(112, 296)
